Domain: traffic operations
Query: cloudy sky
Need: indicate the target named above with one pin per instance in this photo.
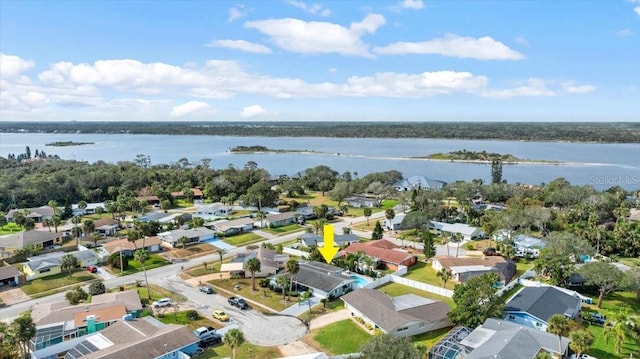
(294, 60)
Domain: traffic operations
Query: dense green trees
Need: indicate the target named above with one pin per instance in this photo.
(476, 301)
(388, 346)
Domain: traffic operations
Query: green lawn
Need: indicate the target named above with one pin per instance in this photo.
(169, 317)
(431, 338)
(424, 272)
(284, 229)
(51, 284)
(212, 267)
(10, 228)
(395, 289)
(245, 351)
(341, 337)
(264, 296)
(243, 239)
(154, 261)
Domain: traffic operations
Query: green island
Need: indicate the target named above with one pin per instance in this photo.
(480, 156)
(68, 143)
(258, 148)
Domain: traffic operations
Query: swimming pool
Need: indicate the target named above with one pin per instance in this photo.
(360, 281)
(217, 242)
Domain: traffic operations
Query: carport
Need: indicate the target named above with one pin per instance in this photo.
(9, 275)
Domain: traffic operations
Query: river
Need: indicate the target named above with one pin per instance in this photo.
(598, 165)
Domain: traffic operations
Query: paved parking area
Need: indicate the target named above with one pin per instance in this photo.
(13, 296)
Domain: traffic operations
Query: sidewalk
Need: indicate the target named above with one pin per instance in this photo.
(300, 307)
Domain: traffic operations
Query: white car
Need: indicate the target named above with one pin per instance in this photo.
(163, 302)
(582, 356)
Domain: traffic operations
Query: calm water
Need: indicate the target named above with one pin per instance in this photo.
(599, 165)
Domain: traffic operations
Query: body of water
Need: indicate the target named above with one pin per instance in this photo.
(599, 165)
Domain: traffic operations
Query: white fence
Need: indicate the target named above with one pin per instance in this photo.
(396, 278)
(295, 252)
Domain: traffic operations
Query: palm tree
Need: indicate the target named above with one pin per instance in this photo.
(457, 237)
(293, 267)
(390, 214)
(88, 227)
(47, 222)
(580, 341)
(221, 252)
(445, 274)
(619, 326)
(23, 330)
(253, 266)
(76, 220)
(141, 256)
(95, 237)
(282, 282)
(367, 214)
(558, 324)
(233, 339)
(69, 262)
(183, 240)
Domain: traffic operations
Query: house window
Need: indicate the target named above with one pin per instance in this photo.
(512, 317)
(45, 270)
(403, 329)
(538, 324)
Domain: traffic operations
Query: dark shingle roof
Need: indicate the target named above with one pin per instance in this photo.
(320, 276)
(543, 302)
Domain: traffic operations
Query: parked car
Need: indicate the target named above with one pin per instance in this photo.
(220, 315)
(582, 356)
(238, 302)
(92, 269)
(163, 302)
(205, 289)
(204, 332)
(490, 251)
(596, 318)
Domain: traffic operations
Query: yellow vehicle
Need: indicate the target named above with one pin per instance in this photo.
(220, 315)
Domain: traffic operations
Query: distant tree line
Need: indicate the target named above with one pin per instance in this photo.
(615, 132)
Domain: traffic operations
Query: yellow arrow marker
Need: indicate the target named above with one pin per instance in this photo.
(327, 250)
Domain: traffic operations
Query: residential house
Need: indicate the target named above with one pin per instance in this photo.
(150, 244)
(36, 238)
(196, 191)
(467, 232)
(151, 200)
(340, 240)
(497, 338)
(395, 223)
(405, 315)
(59, 321)
(533, 306)
(270, 262)
(91, 208)
(9, 275)
(362, 202)
(38, 214)
(634, 214)
(51, 263)
(162, 217)
(306, 212)
(527, 246)
(194, 235)
(276, 220)
(235, 226)
(107, 227)
(213, 211)
(465, 268)
(384, 253)
(418, 182)
(325, 280)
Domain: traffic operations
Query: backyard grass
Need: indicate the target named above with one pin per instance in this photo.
(154, 261)
(197, 249)
(243, 239)
(10, 228)
(522, 266)
(631, 262)
(424, 272)
(284, 229)
(212, 267)
(245, 351)
(343, 337)
(396, 289)
(264, 296)
(431, 338)
(156, 293)
(52, 284)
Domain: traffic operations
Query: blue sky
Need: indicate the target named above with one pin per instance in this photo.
(294, 60)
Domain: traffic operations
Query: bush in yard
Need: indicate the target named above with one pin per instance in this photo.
(264, 283)
(193, 315)
(76, 295)
(469, 246)
(114, 261)
(97, 288)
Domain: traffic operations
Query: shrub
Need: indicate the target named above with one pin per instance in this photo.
(193, 315)
(76, 295)
(469, 246)
(97, 288)
(264, 283)
(377, 332)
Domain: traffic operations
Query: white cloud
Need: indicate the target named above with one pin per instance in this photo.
(319, 37)
(411, 4)
(189, 108)
(252, 111)
(637, 10)
(571, 88)
(533, 87)
(13, 66)
(315, 9)
(624, 32)
(236, 13)
(521, 40)
(240, 45)
(333, 70)
(484, 48)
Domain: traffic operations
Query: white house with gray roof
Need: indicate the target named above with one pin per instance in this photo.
(325, 280)
(402, 316)
(497, 338)
(194, 235)
(467, 232)
(533, 306)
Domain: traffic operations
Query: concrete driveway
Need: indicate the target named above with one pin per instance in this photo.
(13, 296)
(258, 328)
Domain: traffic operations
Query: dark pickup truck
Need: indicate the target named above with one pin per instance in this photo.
(238, 302)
